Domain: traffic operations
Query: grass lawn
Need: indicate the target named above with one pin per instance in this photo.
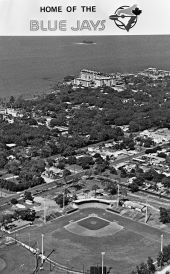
(123, 250)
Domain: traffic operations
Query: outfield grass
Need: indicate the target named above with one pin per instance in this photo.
(18, 260)
(124, 250)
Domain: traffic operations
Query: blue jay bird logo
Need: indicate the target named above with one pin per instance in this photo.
(125, 17)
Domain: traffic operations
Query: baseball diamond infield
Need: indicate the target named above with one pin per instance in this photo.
(79, 239)
(93, 226)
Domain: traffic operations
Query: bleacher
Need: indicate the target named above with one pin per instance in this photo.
(53, 216)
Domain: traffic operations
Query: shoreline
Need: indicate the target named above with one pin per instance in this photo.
(31, 65)
(152, 72)
(28, 96)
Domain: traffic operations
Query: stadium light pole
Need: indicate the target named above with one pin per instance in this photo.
(103, 253)
(42, 249)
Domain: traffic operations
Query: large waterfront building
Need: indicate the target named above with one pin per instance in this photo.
(89, 78)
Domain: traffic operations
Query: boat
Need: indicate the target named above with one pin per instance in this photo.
(88, 42)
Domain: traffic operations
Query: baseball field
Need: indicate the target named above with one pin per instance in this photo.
(79, 238)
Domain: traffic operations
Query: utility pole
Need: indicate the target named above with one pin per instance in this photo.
(162, 242)
(146, 215)
(44, 213)
(63, 199)
(118, 191)
(42, 249)
(29, 240)
(67, 266)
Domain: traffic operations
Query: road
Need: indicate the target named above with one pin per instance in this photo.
(5, 200)
(38, 189)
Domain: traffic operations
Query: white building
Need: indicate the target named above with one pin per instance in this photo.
(89, 78)
(154, 73)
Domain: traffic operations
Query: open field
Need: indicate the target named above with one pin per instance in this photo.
(124, 249)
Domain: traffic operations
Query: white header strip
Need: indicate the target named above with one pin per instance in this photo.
(84, 17)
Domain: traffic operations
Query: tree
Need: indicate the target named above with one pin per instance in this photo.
(7, 218)
(27, 214)
(143, 269)
(59, 200)
(85, 161)
(31, 121)
(97, 155)
(168, 159)
(111, 188)
(139, 180)
(123, 192)
(34, 166)
(46, 151)
(164, 256)
(162, 155)
(66, 172)
(13, 166)
(14, 201)
(11, 100)
(95, 187)
(164, 215)
(148, 142)
(74, 197)
(160, 261)
(71, 160)
(166, 182)
(58, 121)
(133, 187)
(99, 160)
(113, 170)
(123, 173)
(3, 161)
(151, 266)
(61, 165)
(68, 151)
(134, 126)
(28, 196)
(50, 162)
